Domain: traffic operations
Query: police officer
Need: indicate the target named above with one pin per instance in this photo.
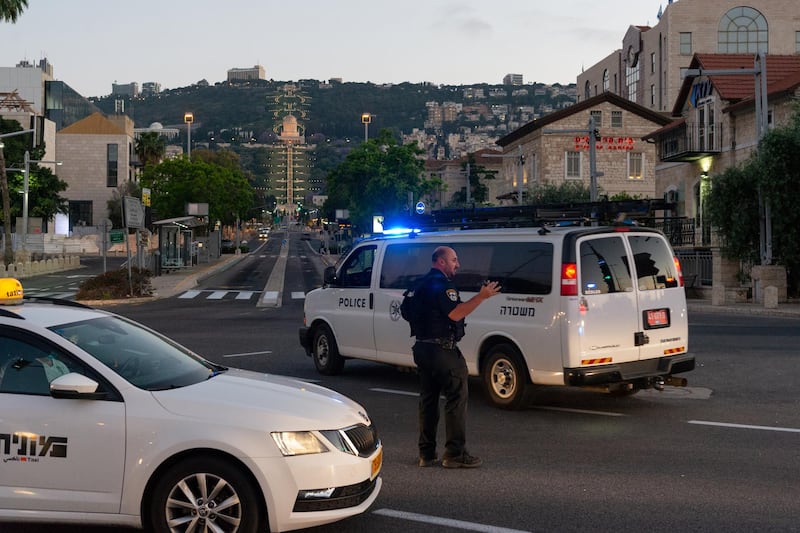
(442, 369)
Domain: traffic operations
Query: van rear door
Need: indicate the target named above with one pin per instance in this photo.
(662, 299)
(606, 317)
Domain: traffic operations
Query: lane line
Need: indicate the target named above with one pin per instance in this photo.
(447, 522)
(216, 295)
(743, 426)
(245, 354)
(399, 392)
(579, 411)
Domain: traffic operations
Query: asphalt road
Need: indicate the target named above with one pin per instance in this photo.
(720, 455)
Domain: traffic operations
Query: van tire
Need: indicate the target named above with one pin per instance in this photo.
(504, 377)
(325, 352)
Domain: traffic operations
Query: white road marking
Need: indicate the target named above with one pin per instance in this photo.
(189, 294)
(447, 522)
(743, 426)
(400, 392)
(244, 295)
(245, 354)
(217, 295)
(298, 295)
(579, 411)
(269, 298)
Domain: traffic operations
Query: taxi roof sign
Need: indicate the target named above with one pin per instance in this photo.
(10, 291)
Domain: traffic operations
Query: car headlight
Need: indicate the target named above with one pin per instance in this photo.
(298, 442)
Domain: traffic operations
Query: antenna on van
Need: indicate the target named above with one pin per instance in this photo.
(543, 230)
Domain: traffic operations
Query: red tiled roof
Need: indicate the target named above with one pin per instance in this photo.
(781, 69)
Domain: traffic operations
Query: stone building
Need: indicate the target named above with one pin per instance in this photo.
(649, 66)
(555, 148)
(97, 154)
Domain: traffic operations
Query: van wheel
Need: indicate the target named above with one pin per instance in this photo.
(504, 377)
(205, 494)
(325, 352)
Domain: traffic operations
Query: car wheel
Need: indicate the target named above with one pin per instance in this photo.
(504, 377)
(206, 494)
(326, 353)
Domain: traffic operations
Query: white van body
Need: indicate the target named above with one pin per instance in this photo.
(583, 306)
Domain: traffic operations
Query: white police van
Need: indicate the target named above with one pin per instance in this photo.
(601, 307)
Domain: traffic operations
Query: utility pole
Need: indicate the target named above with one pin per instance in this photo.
(594, 137)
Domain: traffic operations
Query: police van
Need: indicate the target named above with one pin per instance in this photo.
(601, 307)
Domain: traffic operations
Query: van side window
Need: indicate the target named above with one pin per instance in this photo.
(520, 267)
(604, 266)
(356, 272)
(653, 262)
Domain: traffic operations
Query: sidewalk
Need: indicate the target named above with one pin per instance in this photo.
(177, 281)
(790, 309)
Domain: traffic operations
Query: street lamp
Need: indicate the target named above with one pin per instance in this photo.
(188, 118)
(366, 118)
(25, 190)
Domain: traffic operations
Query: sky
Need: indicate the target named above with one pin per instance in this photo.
(95, 43)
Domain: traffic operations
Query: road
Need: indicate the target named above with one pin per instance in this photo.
(720, 455)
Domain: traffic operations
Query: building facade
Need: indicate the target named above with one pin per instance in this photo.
(97, 154)
(648, 68)
(555, 149)
(257, 72)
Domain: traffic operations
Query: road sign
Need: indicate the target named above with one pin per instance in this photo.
(420, 208)
(134, 212)
(117, 236)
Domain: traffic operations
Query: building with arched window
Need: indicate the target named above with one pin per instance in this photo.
(648, 67)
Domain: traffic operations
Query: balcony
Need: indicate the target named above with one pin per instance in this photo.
(688, 141)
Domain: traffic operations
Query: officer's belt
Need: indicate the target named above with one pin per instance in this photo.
(443, 342)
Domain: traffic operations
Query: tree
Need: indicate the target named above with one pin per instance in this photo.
(10, 10)
(150, 148)
(176, 182)
(375, 178)
(478, 191)
(733, 204)
(114, 204)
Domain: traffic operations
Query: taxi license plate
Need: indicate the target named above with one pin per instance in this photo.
(656, 318)
(377, 461)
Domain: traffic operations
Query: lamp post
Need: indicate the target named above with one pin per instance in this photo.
(25, 191)
(366, 118)
(8, 251)
(188, 118)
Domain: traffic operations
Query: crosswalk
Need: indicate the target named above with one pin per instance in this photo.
(218, 294)
(65, 294)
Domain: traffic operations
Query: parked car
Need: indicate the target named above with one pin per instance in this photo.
(108, 422)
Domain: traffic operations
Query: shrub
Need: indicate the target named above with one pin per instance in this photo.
(115, 285)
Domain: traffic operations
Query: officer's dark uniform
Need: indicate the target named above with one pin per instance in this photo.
(442, 368)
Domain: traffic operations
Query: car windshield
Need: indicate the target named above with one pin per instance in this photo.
(141, 356)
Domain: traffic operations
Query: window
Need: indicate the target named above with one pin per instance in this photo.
(357, 271)
(604, 266)
(705, 125)
(686, 43)
(655, 268)
(742, 30)
(572, 165)
(652, 95)
(632, 81)
(635, 165)
(520, 267)
(80, 213)
(652, 63)
(605, 80)
(587, 90)
(112, 161)
(598, 118)
(797, 41)
(533, 176)
(616, 119)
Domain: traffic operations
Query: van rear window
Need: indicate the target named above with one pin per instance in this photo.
(520, 267)
(604, 266)
(655, 268)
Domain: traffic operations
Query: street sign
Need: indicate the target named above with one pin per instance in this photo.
(117, 236)
(134, 212)
(420, 208)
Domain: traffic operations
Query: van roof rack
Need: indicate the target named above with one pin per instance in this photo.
(605, 212)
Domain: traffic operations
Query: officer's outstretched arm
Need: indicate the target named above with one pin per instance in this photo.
(465, 308)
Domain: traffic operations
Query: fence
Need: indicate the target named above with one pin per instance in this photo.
(697, 266)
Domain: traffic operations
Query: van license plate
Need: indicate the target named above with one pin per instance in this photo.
(656, 318)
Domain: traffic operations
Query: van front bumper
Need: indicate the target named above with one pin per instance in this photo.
(629, 372)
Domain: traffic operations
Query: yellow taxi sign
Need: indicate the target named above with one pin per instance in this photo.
(10, 291)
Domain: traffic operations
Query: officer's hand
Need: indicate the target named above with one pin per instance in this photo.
(489, 289)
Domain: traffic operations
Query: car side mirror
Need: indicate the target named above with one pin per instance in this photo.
(329, 275)
(75, 386)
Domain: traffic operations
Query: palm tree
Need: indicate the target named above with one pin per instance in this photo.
(10, 10)
(150, 147)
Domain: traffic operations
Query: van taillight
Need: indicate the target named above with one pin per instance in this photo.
(678, 270)
(569, 279)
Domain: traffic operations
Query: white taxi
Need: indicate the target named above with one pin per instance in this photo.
(105, 421)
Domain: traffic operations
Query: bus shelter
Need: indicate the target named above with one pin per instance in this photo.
(176, 242)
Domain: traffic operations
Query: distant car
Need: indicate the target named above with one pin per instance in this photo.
(263, 233)
(227, 246)
(108, 422)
